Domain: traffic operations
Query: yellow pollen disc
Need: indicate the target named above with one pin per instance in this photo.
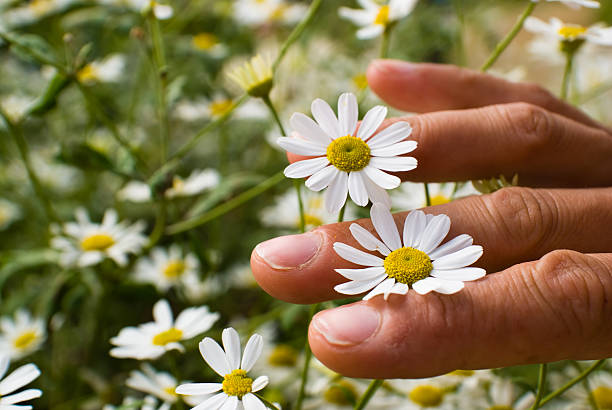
(97, 242)
(341, 393)
(382, 17)
(408, 265)
(348, 153)
(24, 340)
(283, 356)
(315, 203)
(312, 220)
(178, 183)
(40, 7)
(204, 41)
(427, 396)
(170, 391)
(500, 407)
(571, 32)
(167, 336)
(174, 269)
(462, 373)
(602, 396)
(220, 107)
(439, 200)
(237, 383)
(87, 74)
(360, 81)
(279, 12)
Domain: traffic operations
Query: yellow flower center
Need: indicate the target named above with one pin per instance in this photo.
(237, 383)
(177, 184)
(25, 340)
(602, 396)
(279, 12)
(4, 216)
(462, 373)
(311, 220)
(170, 391)
(342, 393)
(40, 7)
(571, 32)
(360, 81)
(167, 336)
(439, 200)
(283, 356)
(382, 17)
(97, 242)
(500, 407)
(427, 396)
(174, 269)
(408, 265)
(204, 41)
(348, 153)
(87, 74)
(220, 107)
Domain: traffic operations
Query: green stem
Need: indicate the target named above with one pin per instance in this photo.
(502, 45)
(541, 386)
(266, 402)
(298, 190)
(367, 395)
(161, 75)
(385, 42)
(307, 358)
(160, 223)
(427, 195)
(573, 382)
(40, 57)
(268, 102)
(227, 206)
(341, 213)
(567, 74)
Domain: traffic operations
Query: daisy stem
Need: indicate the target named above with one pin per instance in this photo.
(307, 359)
(567, 74)
(541, 386)
(367, 395)
(341, 213)
(505, 42)
(386, 40)
(573, 382)
(266, 402)
(160, 224)
(266, 99)
(427, 195)
(298, 190)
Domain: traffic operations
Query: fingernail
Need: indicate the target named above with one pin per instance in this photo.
(290, 252)
(347, 326)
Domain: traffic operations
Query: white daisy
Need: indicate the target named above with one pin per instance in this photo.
(236, 390)
(197, 182)
(33, 11)
(148, 403)
(575, 4)
(431, 393)
(84, 243)
(153, 339)
(16, 105)
(108, 70)
(17, 379)
(217, 107)
(347, 160)
(9, 213)
(569, 33)
(161, 11)
(254, 76)
(599, 390)
(420, 263)
(411, 195)
(209, 43)
(373, 18)
(167, 268)
(22, 335)
(499, 393)
(260, 12)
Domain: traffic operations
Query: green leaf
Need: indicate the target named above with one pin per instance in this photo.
(32, 47)
(84, 156)
(16, 261)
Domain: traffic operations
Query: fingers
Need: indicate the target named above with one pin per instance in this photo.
(556, 308)
(513, 225)
(434, 87)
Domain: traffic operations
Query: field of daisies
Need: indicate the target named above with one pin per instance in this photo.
(143, 155)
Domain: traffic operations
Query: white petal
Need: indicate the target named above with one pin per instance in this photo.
(459, 259)
(325, 117)
(308, 129)
(260, 383)
(359, 17)
(462, 274)
(414, 225)
(384, 287)
(367, 240)
(385, 226)
(301, 147)
(425, 286)
(231, 345)
(252, 351)
(214, 356)
(19, 397)
(400, 288)
(400, 148)
(356, 256)
(393, 134)
(356, 287)
(381, 178)
(4, 365)
(163, 314)
(448, 287)
(230, 404)
(434, 233)
(335, 195)
(376, 193)
(321, 179)
(251, 402)
(306, 168)
(212, 403)
(371, 121)
(361, 274)
(455, 244)
(369, 32)
(19, 378)
(347, 113)
(196, 389)
(357, 189)
(394, 163)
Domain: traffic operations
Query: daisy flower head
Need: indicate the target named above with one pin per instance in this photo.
(237, 389)
(107, 70)
(598, 391)
(414, 260)
(255, 77)
(168, 268)
(22, 335)
(575, 4)
(260, 12)
(570, 36)
(374, 18)
(159, 384)
(153, 339)
(498, 393)
(347, 160)
(84, 243)
(16, 380)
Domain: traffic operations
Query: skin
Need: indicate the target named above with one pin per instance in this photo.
(548, 292)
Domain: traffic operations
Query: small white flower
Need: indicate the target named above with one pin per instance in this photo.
(373, 18)
(218, 107)
(108, 70)
(16, 105)
(209, 43)
(33, 11)
(160, 11)
(259, 12)
(151, 340)
(9, 213)
(17, 379)
(416, 261)
(197, 182)
(165, 269)
(148, 403)
(564, 32)
(411, 195)
(431, 393)
(21, 336)
(575, 4)
(348, 160)
(84, 243)
(501, 393)
(254, 76)
(599, 390)
(236, 390)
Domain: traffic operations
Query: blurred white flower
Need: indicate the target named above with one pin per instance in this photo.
(430, 393)
(161, 11)
(411, 195)
(373, 18)
(165, 269)
(501, 393)
(33, 11)
(197, 182)
(9, 213)
(575, 4)
(217, 107)
(254, 76)
(22, 335)
(16, 380)
(208, 43)
(84, 243)
(564, 32)
(151, 340)
(593, 69)
(15, 106)
(108, 70)
(259, 12)
(598, 393)
(148, 403)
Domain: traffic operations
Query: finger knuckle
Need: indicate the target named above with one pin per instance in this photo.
(532, 125)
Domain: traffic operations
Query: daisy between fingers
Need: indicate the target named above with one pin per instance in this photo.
(416, 261)
(347, 160)
(236, 390)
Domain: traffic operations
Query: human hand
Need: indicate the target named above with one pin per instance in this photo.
(548, 295)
